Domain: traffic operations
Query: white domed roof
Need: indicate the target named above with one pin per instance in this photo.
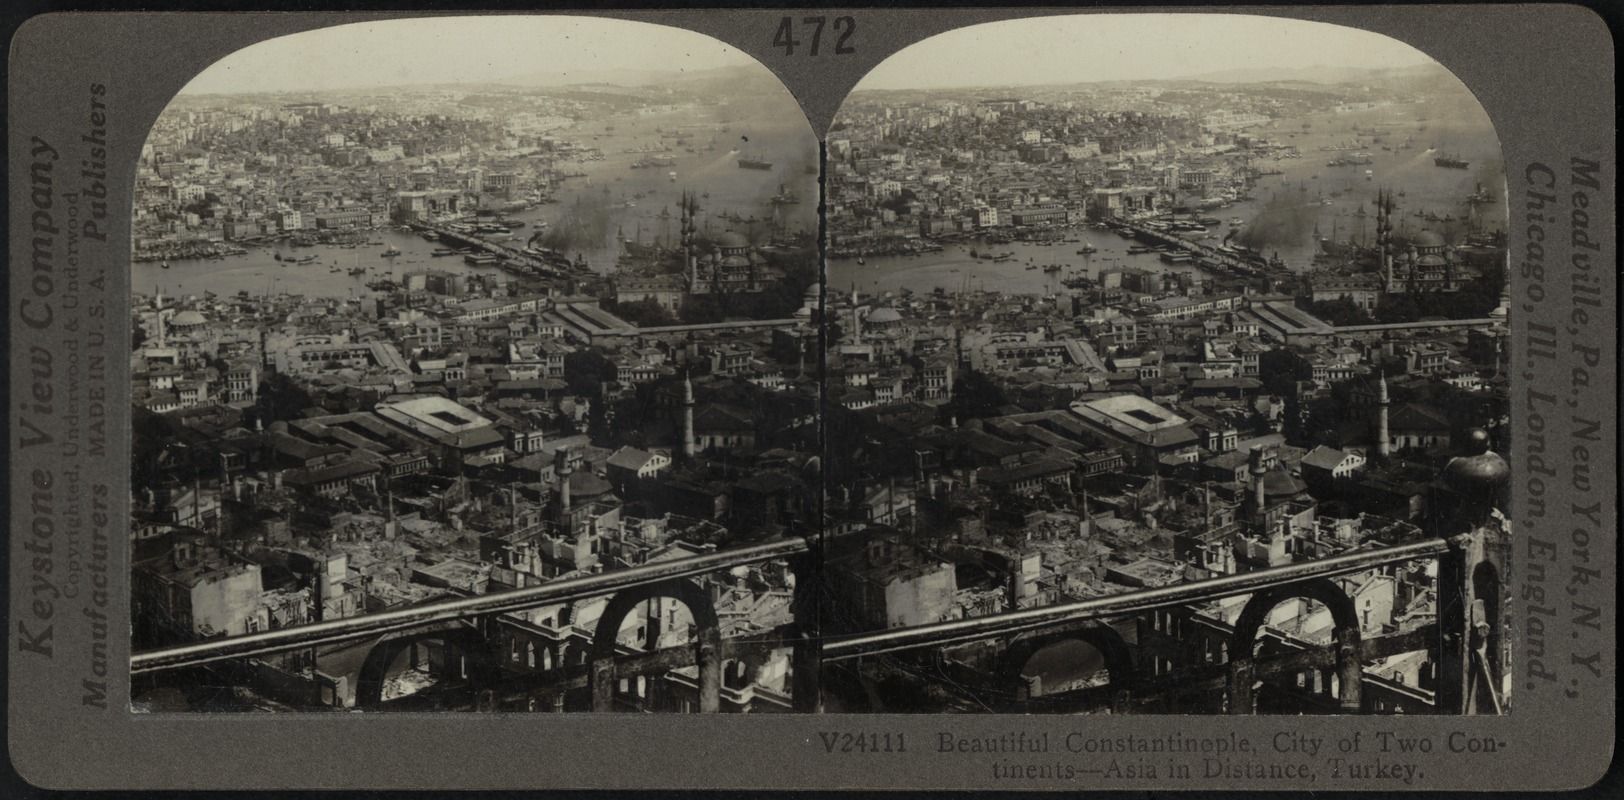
(884, 315)
(187, 319)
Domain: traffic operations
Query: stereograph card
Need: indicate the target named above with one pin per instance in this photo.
(998, 399)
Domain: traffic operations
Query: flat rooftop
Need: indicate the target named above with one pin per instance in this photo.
(1289, 320)
(436, 413)
(1132, 411)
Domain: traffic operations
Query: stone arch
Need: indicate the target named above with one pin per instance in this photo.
(1346, 636)
(708, 645)
(466, 641)
(566, 614)
(1109, 643)
(733, 672)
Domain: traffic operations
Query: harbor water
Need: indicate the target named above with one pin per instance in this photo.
(596, 206)
(1330, 198)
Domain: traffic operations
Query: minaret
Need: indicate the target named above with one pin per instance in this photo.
(158, 317)
(561, 467)
(688, 208)
(1384, 238)
(1258, 500)
(687, 418)
(1382, 445)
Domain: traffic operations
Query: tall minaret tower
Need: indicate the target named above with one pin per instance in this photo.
(688, 447)
(562, 469)
(689, 207)
(158, 317)
(1259, 500)
(1384, 238)
(1382, 445)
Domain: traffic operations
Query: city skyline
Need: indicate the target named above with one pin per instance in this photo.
(1107, 330)
(443, 350)
(535, 332)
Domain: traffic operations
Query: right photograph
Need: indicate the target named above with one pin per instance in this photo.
(1166, 373)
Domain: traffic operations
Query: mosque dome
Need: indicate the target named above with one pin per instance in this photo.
(881, 316)
(1429, 239)
(732, 239)
(186, 319)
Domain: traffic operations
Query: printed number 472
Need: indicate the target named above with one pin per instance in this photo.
(785, 38)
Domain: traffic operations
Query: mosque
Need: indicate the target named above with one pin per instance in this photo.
(732, 265)
(1426, 264)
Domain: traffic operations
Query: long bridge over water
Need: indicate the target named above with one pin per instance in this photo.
(463, 241)
(1160, 238)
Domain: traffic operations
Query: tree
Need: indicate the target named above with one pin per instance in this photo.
(586, 370)
(645, 313)
(1340, 312)
(1396, 308)
(1295, 420)
(700, 309)
(899, 202)
(1280, 370)
(974, 396)
(281, 398)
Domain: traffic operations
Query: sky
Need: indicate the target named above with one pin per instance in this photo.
(458, 50)
(1096, 47)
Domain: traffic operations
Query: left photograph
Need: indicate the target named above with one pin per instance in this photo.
(475, 367)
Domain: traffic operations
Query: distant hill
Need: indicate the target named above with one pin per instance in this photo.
(722, 81)
(697, 79)
(1322, 74)
(1418, 77)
